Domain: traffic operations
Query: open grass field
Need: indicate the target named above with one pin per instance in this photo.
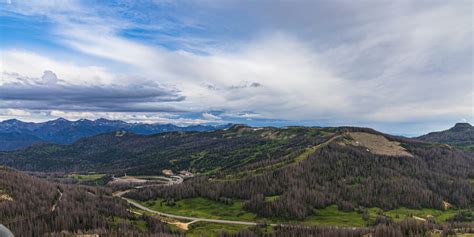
(329, 216)
(86, 177)
(272, 198)
(204, 208)
(307, 152)
(438, 215)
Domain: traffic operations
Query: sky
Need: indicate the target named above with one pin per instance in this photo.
(402, 67)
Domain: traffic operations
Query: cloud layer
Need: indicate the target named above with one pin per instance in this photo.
(365, 63)
(51, 93)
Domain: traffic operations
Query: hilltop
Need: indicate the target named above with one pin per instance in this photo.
(461, 136)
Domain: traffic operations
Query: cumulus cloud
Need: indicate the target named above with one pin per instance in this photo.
(49, 77)
(33, 64)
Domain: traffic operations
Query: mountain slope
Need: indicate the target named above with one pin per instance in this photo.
(13, 140)
(16, 134)
(305, 168)
(461, 136)
(30, 206)
(236, 147)
(350, 176)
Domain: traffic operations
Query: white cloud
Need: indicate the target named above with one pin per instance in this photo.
(209, 116)
(50, 77)
(49, 92)
(33, 65)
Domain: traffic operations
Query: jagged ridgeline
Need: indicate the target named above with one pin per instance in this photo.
(306, 168)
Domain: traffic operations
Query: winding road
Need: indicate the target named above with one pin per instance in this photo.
(194, 219)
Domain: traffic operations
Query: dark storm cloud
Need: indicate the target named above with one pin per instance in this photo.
(49, 92)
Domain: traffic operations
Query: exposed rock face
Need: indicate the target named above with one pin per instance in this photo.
(376, 144)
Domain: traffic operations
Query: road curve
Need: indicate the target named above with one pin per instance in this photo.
(195, 219)
(187, 217)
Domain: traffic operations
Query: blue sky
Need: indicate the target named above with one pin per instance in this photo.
(403, 67)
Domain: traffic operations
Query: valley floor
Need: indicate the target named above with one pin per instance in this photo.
(210, 217)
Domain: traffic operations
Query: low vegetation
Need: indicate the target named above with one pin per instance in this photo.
(86, 177)
(200, 229)
(376, 144)
(203, 208)
(328, 216)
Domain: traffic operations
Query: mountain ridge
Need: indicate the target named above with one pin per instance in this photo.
(461, 135)
(15, 134)
(234, 146)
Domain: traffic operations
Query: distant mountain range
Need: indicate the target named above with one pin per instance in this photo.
(15, 134)
(460, 136)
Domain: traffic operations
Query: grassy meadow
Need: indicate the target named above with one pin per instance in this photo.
(329, 216)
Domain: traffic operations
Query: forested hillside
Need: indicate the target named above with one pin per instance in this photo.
(32, 207)
(286, 174)
(201, 152)
(306, 168)
(350, 177)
